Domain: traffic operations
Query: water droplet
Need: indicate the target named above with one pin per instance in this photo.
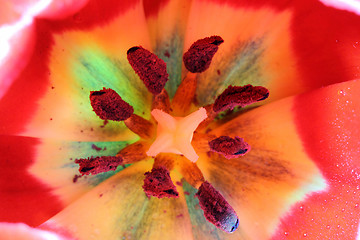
(328, 226)
(338, 225)
(286, 233)
(356, 205)
(305, 234)
(301, 208)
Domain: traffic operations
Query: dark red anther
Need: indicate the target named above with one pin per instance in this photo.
(108, 105)
(239, 96)
(96, 165)
(229, 147)
(150, 68)
(198, 58)
(158, 183)
(216, 209)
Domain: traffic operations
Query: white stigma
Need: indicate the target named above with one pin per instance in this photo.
(174, 134)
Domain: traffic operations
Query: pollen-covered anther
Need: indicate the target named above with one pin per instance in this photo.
(96, 165)
(198, 58)
(150, 68)
(216, 209)
(229, 147)
(158, 183)
(108, 105)
(239, 96)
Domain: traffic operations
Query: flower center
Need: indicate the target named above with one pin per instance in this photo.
(174, 135)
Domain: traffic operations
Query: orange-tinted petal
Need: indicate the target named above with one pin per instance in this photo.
(276, 173)
(119, 208)
(167, 23)
(304, 161)
(274, 45)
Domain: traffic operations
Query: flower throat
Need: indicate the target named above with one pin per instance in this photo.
(175, 134)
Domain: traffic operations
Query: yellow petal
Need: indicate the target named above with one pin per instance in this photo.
(119, 208)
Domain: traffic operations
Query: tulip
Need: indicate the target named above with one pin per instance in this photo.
(180, 119)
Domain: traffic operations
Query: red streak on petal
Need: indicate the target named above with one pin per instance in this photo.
(153, 7)
(23, 198)
(94, 14)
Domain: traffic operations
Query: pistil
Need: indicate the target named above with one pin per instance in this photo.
(174, 135)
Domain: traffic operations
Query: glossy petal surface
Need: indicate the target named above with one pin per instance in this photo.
(331, 138)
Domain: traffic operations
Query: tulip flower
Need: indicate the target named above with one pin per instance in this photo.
(180, 119)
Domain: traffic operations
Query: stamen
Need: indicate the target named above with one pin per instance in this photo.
(211, 116)
(161, 101)
(239, 96)
(198, 58)
(191, 172)
(140, 126)
(166, 160)
(158, 183)
(216, 209)
(229, 147)
(150, 68)
(96, 165)
(108, 105)
(184, 95)
(134, 152)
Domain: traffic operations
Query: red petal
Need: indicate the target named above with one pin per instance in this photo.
(23, 198)
(331, 137)
(152, 7)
